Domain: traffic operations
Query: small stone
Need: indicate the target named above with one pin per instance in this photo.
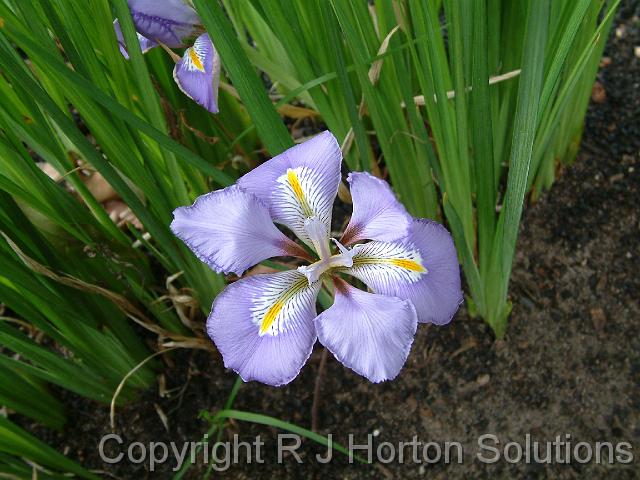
(616, 178)
(628, 255)
(426, 412)
(598, 93)
(483, 380)
(620, 31)
(411, 404)
(599, 318)
(376, 432)
(636, 51)
(605, 62)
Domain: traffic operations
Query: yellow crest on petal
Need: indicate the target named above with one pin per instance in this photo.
(195, 59)
(275, 311)
(396, 261)
(408, 264)
(270, 316)
(298, 191)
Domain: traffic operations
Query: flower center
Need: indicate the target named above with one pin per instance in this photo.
(319, 235)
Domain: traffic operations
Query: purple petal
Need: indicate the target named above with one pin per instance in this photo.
(145, 43)
(230, 230)
(367, 332)
(377, 213)
(171, 22)
(423, 269)
(198, 73)
(263, 326)
(300, 183)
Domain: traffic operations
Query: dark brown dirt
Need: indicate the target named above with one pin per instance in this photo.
(570, 363)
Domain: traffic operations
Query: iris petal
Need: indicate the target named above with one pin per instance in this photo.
(230, 230)
(198, 73)
(369, 333)
(263, 326)
(145, 43)
(423, 269)
(377, 213)
(300, 183)
(172, 22)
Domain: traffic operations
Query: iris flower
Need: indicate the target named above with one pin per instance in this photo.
(174, 24)
(265, 325)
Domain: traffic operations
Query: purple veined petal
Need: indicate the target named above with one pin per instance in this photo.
(423, 269)
(172, 22)
(368, 332)
(263, 326)
(145, 43)
(377, 213)
(231, 230)
(300, 183)
(198, 73)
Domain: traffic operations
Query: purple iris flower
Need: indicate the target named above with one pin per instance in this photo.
(145, 43)
(173, 23)
(265, 325)
(198, 73)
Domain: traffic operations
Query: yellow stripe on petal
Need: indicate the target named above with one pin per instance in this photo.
(195, 59)
(408, 264)
(302, 193)
(388, 262)
(295, 184)
(292, 177)
(277, 310)
(405, 263)
(270, 316)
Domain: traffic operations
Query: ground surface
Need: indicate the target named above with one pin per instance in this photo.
(570, 363)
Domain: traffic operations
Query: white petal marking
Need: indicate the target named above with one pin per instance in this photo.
(300, 197)
(278, 309)
(193, 61)
(383, 263)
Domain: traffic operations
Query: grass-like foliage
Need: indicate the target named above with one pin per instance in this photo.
(468, 106)
(413, 79)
